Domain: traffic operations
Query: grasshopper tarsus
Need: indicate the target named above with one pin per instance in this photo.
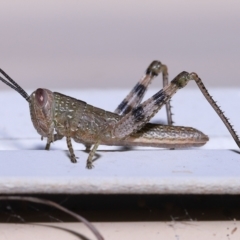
(127, 126)
(72, 156)
(89, 165)
(47, 147)
(73, 159)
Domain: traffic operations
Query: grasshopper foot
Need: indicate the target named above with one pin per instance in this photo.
(73, 159)
(89, 165)
(47, 146)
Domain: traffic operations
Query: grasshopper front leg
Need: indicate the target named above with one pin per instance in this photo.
(55, 138)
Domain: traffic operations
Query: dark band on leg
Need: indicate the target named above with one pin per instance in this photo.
(139, 89)
(159, 97)
(138, 113)
(124, 107)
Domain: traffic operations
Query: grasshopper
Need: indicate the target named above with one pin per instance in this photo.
(55, 116)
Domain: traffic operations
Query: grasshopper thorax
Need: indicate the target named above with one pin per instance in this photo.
(42, 111)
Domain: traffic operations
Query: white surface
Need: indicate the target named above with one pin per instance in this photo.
(136, 171)
(150, 171)
(222, 230)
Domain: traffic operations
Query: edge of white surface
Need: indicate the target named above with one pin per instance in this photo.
(125, 230)
(126, 172)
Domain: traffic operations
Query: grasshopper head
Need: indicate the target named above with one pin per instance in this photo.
(42, 111)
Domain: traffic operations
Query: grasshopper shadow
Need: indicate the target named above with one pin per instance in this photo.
(96, 156)
(235, 151)
(39, 147)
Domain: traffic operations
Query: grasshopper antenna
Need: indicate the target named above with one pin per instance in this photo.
(12, 84)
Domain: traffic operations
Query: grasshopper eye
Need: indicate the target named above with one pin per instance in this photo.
(41, 96)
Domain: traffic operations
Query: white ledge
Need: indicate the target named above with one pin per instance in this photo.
(126, 172)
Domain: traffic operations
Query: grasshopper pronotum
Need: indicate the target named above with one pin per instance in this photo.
(55, 116)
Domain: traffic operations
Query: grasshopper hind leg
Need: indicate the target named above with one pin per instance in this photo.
(135, 96)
